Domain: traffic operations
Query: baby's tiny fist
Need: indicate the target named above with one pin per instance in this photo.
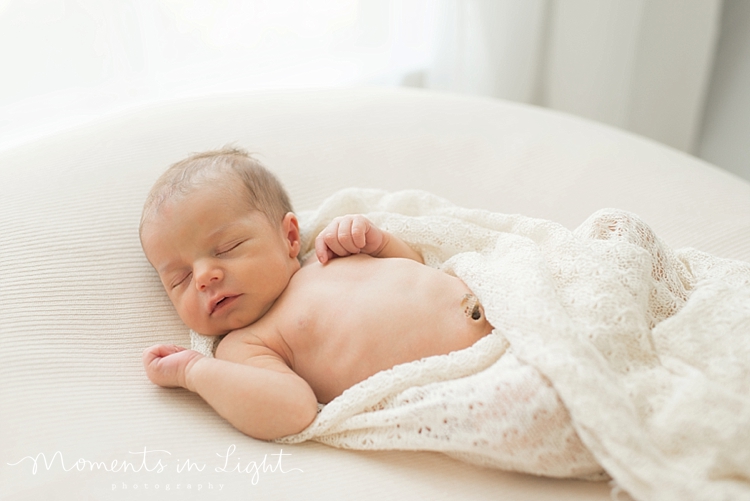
(165, 364)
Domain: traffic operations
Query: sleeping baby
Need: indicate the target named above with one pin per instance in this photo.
(220, 231)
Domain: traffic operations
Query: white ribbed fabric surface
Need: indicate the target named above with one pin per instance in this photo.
(78, 301)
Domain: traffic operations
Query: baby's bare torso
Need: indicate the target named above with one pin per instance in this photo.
(337, 324)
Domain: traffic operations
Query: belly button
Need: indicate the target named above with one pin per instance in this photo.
(471, 306)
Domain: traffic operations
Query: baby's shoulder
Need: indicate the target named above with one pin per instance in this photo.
(241, 344)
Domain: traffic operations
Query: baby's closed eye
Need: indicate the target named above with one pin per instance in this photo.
(229, 248)
(181, 281)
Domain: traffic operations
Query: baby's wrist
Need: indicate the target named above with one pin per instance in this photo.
(386, 239)
(190, 372)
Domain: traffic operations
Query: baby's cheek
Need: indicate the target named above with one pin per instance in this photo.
(188, 312)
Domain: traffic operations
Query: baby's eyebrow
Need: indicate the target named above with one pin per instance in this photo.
(223, 229)
(164, 270)
(168, 267)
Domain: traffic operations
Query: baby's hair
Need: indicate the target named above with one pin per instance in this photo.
(263, 190)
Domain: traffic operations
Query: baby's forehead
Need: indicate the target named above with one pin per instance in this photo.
(222, 190)
(216, 196)
(217, 182)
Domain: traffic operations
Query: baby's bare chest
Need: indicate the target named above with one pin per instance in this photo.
(356, 316)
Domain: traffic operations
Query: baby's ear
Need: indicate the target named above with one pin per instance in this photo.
(290, 227)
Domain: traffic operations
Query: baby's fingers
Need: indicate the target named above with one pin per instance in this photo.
(323, 253)
(358, 232)
(346, 236)
(159, 351)
(333, 242)
(327, 245)
(161, 367)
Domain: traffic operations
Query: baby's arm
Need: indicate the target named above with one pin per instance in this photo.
(262, 397)
(355, 234)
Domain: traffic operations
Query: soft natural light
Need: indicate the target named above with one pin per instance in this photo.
(676, 72)
(67, 62)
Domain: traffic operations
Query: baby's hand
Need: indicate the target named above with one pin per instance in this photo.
(349, 235)
(167, 365)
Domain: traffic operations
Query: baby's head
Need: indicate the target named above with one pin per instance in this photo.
(219, 229)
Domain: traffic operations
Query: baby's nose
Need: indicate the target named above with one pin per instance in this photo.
(206, 276)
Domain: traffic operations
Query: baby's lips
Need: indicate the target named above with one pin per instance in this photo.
(216, 301)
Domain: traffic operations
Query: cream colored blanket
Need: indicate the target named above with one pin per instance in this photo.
(610, 351)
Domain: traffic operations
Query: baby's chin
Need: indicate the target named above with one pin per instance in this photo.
(212, 334)
(217, 331)
(212, 331)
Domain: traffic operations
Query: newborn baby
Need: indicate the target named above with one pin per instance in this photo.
(220, 231)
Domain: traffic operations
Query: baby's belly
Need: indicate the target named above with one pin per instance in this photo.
(365, 315)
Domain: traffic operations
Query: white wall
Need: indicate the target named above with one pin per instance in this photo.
(725, 139)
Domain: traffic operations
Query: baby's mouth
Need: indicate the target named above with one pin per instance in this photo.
(222, 303)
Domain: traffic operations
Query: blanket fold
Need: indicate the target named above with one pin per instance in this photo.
(611, 353)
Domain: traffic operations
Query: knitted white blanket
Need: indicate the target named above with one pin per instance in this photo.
(610, 351)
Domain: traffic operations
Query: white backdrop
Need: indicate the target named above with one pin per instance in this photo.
(666, 69)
